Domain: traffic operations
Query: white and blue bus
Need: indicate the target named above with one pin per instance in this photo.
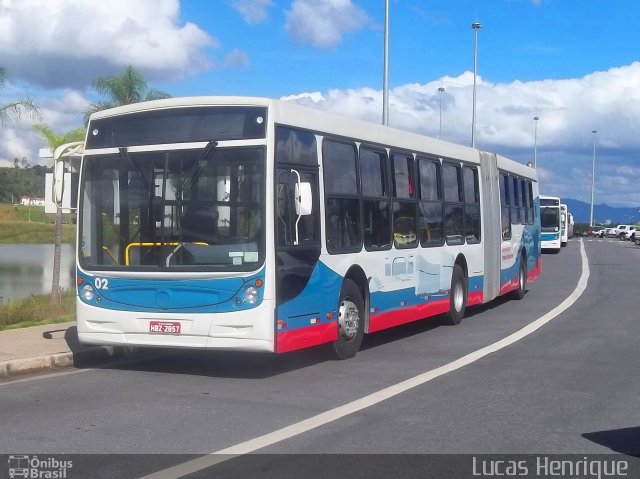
(564, 225)
(570, 224)
(551, 223)
(260, 225)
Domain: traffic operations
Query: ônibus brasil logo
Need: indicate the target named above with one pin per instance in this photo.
(33, 467)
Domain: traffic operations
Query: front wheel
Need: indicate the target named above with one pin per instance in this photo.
(350, 321)
(457, 296)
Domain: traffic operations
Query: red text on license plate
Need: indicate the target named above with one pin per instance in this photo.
(164, 327)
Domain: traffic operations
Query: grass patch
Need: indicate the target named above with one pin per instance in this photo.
(31, 225)
(14, 232)
(37, 310)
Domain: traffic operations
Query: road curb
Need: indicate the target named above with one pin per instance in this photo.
(35, 364)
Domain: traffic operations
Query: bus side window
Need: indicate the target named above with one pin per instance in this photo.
(376, 205)
(342, 205)
(523, 202)
(405, 230)
(530, 206)
(504, 206)
(515, 203)
(431, 225)
(472, 224)
(453, 205)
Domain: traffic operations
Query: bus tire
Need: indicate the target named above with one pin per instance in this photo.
(522, 281)
(350, 322)
(457, 296)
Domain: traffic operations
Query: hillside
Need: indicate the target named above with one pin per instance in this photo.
(602, 213)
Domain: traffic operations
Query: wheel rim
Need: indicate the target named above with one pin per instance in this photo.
(348, 319)
(458, 296)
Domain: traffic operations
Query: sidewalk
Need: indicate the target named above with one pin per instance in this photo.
(40, 348)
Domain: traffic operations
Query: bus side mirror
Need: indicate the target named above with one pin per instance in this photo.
(304, 199)
(58, 183)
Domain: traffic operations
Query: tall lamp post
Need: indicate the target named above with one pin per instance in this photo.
(475, 26)
(440, 92)
(593, 174)
(535, 141)
(385, 79)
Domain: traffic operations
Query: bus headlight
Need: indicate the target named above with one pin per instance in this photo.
(87, 292)
(251, 295)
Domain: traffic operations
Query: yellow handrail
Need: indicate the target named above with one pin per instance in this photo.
(138, 245)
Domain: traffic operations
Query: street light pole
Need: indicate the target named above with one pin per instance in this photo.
(385, 79)
(475, 26)
(593, 174)
(535, 141)
(440, 92)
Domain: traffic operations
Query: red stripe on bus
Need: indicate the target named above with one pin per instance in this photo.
(475, 298)
(535, 272)
(396, 317)
(509, 286)
(306, 337)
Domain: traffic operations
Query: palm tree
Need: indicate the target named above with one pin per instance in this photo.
(17, 107)
(54, 141)
(130, 87)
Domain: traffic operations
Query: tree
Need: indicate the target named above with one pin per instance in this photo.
(129, 87)
(53, 141)
(17, 107)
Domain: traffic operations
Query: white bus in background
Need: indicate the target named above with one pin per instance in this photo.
(570, 224)
(564, 224)
(550, 223)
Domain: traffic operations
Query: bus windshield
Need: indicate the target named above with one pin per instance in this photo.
(185, 209)
(549, 219)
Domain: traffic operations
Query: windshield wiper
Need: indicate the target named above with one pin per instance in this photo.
(199, 165)
(124, 153)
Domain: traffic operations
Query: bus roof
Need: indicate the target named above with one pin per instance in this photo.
(289, 113)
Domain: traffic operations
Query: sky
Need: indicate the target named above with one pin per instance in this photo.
(574, 64)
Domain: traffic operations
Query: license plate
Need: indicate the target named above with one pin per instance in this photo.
(164, 327)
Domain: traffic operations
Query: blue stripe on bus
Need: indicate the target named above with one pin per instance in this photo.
(322, 292)
(209, 295)
(549, 236)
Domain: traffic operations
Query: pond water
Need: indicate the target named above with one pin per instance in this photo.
(27, 269)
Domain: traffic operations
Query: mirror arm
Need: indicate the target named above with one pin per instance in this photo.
(298, 200)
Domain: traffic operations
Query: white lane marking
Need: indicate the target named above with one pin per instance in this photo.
(51, 375)
(40, 376)
(321, 419)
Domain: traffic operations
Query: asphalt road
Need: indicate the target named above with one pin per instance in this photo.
(569, 387)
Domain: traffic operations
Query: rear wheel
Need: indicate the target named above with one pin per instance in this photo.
(522, 281)
(350, 321)
(457, 296)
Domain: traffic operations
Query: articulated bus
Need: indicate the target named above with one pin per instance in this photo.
(261, 225)
(564, 225)
(551, 223)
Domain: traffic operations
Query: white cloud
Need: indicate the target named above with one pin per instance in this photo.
(252, 11)
(323, 23)
(66, 42)
(569, 110)
(62, 112)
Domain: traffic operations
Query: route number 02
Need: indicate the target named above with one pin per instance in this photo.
(101, 283)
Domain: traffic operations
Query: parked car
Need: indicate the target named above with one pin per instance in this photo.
(630, 234)
(609, 232)
(598, 233)
(621, 230)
